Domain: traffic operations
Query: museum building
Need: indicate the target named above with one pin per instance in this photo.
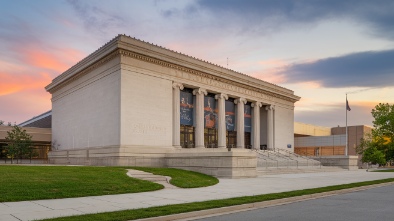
(139, 104)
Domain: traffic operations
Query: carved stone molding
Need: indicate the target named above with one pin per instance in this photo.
(205, 75)
(257, 104)
(200, 91)
(221, 96)
(216, 80)
(177, 85)
(240, 100)
(270, 107)
(81, 73)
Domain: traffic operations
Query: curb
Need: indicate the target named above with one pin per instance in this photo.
(259, 205)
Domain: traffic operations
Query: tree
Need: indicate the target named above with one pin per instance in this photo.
(18, 143)
(379, 144)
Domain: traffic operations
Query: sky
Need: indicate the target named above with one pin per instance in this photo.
(320, 49)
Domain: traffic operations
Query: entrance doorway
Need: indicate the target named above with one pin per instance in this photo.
(231, 139)
(210, 138)
(247, 141)
(187, 136)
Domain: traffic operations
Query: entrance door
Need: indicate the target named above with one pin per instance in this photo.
(247, 141)
(210, 138)
(231, 140)
(187, 136)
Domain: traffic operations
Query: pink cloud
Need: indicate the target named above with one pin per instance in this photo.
(58, 60)
(12, 83)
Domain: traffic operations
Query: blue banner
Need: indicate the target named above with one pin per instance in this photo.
(210, 112)
(186, 108)
(248, 118)
(230, 115)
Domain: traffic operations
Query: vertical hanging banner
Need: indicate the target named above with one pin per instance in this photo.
(186, 108)
(248, 118)
(230, 115)
(210, 116)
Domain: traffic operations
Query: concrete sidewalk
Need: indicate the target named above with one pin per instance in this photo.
(227, 188)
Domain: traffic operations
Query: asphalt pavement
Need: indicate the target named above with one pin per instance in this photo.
(372, 204)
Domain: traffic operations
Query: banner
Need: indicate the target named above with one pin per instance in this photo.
(230, 115)
(210, 112)
(248, 118)
(186, 108)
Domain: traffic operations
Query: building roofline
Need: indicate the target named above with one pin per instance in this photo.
(139, 46)
(36, 118)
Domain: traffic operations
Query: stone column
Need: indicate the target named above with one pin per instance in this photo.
(199, 119)
(270, 127)
(256, 125)
(240, 102)
(176, 113)
(221, 120)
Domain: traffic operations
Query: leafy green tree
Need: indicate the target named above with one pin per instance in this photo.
(379, 143)
(374, 156)
(18, 143)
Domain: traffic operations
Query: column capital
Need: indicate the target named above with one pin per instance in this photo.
(270, 107)
(200, 91)
(257, 104)
(221, 96)
(177, 85)
(240, 100)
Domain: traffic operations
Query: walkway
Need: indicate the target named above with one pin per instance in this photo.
(227, 188)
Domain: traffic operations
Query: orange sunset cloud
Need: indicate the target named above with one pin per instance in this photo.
(59, 61)
(12, 83)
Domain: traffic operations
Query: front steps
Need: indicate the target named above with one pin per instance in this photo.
(281, 161)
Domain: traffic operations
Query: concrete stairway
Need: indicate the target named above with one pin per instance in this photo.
(280, 161)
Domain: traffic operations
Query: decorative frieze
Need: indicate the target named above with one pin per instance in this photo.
(183, 72)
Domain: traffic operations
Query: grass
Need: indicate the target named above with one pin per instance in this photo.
(189, 207)
(19, 183)
(390, 170)
(182, 178)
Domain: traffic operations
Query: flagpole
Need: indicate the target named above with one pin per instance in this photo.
(347, 146)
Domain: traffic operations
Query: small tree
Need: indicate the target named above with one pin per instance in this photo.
(1, 122)
(18, 143)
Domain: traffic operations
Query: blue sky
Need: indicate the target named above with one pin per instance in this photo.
(320, 49)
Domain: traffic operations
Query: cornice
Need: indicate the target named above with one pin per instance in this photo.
(54, 86)
(289, 97)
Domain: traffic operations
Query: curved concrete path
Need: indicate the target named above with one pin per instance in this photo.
(227, 188)
(163, 180)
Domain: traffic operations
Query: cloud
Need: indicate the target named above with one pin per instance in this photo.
(23, 105)
(266, 16)
(95, 18)
(11, 82)
(332, 115)
(363, 69)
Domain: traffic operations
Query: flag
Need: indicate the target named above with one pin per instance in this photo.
(347, 106)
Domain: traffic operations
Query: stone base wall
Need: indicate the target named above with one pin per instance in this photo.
(237, 163)
(346, 162)
(217, 162)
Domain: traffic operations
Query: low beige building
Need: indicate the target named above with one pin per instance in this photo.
(328, 142)
(135, 103)
(41, 141)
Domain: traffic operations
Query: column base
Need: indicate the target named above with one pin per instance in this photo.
(202, 146)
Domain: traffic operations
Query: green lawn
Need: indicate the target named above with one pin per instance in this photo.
(189, 207)
(389, 170)
(19, 183)
(182, 178)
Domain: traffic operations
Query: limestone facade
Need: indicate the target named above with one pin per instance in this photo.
(121, 106)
